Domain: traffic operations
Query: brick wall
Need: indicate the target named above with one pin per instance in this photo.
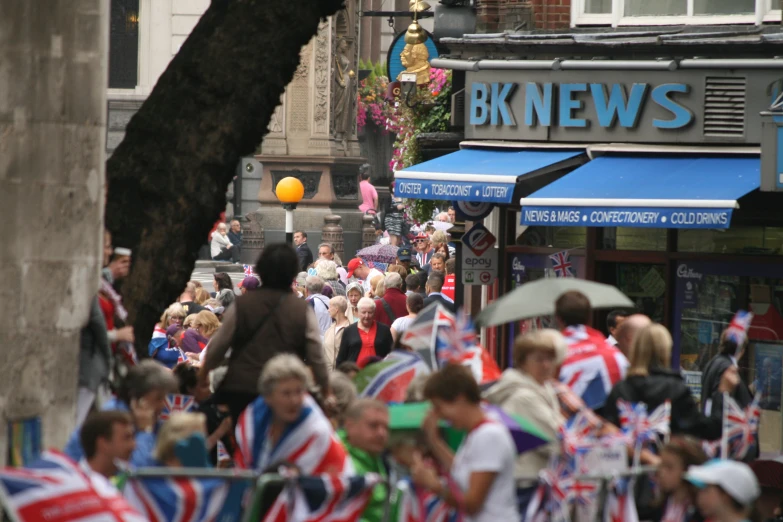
(507, 15)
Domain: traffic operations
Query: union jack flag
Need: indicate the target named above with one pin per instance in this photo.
(561, 264)
(222, 453)
(739, 326)
(458, 343)
(177, 499)
(248, 270)
(328, 498)
(740, 427)
(578, 433)
(620, 503)
(643, 428)
(388, 380)
(177, 402)
(55, 489)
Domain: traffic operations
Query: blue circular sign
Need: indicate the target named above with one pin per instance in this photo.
(393, 61)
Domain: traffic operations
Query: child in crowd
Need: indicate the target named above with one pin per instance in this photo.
(727, 490)
(679, 497)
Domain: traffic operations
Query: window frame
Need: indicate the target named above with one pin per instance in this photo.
(765, 13)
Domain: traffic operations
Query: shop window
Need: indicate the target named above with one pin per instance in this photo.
(707, 297)
(621, 238)
(673, 12)
(124, 44)
(554, 237)
(741, 240)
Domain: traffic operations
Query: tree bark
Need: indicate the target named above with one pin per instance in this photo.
(167, 179)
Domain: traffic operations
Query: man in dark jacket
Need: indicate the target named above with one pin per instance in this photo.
(365, 338)
(728, 356)
(434, 295)
(303, 251)
(392, 305)
(235, 235)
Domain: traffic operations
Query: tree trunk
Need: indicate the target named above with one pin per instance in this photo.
(167, 179)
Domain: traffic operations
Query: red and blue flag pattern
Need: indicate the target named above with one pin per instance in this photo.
(55, 489)
(561, 264)
(592, 366)
(175, 402)
(177, 499)
(327, 498)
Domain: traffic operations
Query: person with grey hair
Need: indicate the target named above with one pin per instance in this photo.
(284, 401)
(391, 306)
(327, 270)
(365, 338)
(314, 285)
(338, 305)
(142, 393)
(221, 247)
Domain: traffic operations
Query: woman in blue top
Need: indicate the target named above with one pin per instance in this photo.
(143, 394)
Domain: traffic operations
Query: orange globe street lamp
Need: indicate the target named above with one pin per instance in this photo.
(290, 192)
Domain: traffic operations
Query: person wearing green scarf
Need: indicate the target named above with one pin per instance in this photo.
(364, 437)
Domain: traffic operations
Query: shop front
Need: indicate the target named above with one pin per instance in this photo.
(664, 203)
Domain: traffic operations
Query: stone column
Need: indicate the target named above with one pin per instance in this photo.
(53, 128)
(252, 237)
(368, 231)
(333, 233)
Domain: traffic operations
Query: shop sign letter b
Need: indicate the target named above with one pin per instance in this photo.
(490, 103)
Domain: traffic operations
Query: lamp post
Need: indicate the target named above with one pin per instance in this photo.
(290, 192)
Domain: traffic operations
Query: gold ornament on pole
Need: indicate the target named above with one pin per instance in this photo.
(415, 57)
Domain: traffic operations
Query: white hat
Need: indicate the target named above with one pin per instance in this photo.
(735, 478)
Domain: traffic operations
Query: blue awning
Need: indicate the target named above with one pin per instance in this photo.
(645, 191)
(486, 176)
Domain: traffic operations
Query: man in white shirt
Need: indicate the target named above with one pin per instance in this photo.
(106, 437)
(360, 271)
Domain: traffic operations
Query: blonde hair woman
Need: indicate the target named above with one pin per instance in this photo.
(651, 380)
(338, 306)
(527, 390)
(202, 296)
(158, 347)
(179, 428)
(378, 287)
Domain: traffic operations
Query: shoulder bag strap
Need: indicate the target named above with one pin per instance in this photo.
(389, 311)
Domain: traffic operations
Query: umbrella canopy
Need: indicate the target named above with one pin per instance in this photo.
(378, 253)
(409, 417)
(538, 298)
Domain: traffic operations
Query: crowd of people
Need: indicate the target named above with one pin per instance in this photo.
(287, 345)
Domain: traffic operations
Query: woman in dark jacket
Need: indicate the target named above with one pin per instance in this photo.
(729, 354)
(651, 381)
(353, 347)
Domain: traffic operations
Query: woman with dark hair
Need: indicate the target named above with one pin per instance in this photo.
(218, 421)
(394, 218)
(224, 288)
(483, 466)
(262, 324)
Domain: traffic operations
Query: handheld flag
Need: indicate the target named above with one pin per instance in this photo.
(561, 264)
(326, 498)
(177, 402)
(738, 328)
(388, 379)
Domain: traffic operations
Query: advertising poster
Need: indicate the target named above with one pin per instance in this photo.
(768, 365)
(693, 382)
(24, 441)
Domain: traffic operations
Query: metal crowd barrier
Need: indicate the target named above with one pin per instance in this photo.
(604, 480)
